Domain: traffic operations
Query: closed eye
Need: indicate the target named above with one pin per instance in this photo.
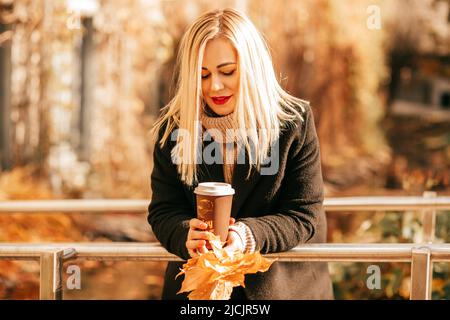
(228, 73)
(224, 73)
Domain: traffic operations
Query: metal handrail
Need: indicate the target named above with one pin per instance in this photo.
(138, 205)
(52, 255)
(375, 252)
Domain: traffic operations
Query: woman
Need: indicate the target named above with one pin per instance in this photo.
(227, 93)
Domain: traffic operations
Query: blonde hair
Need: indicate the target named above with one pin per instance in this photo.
(261, 102)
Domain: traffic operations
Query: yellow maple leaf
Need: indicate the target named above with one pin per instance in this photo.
(213, 275)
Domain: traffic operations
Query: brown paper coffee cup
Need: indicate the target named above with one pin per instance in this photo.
(214, 201)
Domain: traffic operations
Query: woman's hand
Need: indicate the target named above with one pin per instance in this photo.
(234, 243)
(197, 238)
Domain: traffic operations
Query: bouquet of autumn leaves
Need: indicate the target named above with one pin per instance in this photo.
(213, 275)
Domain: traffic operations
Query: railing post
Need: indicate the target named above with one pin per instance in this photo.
(421, 274)
(428, 220)
(51, 264)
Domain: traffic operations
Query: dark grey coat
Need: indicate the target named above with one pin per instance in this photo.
(282, 210)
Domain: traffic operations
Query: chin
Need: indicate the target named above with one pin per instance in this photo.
(222, 110)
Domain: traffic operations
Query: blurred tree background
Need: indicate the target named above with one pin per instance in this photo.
(82, 82)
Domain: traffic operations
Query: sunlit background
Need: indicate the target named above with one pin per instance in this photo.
(82, 82)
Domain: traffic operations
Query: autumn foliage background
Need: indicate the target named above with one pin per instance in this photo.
(86, 81)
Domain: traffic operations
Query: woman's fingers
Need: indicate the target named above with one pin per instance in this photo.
(202, 249)
(197, 235)
(197, 224)
(197, 239)
(195, 244)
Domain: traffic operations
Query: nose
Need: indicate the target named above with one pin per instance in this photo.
(216, 84)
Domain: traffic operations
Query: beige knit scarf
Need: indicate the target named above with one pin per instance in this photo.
(210, 120)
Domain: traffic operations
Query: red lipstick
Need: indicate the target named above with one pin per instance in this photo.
(220, 100)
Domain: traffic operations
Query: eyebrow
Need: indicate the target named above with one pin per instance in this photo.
(221, 65)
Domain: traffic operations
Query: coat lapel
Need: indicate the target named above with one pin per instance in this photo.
(243, 186)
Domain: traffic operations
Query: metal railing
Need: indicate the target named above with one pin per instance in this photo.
(53, 255)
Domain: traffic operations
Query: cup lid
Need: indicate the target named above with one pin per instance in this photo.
(214, 189)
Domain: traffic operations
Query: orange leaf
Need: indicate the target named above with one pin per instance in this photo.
(213, 275)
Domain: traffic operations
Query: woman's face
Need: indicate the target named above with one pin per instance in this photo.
(220, 76)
